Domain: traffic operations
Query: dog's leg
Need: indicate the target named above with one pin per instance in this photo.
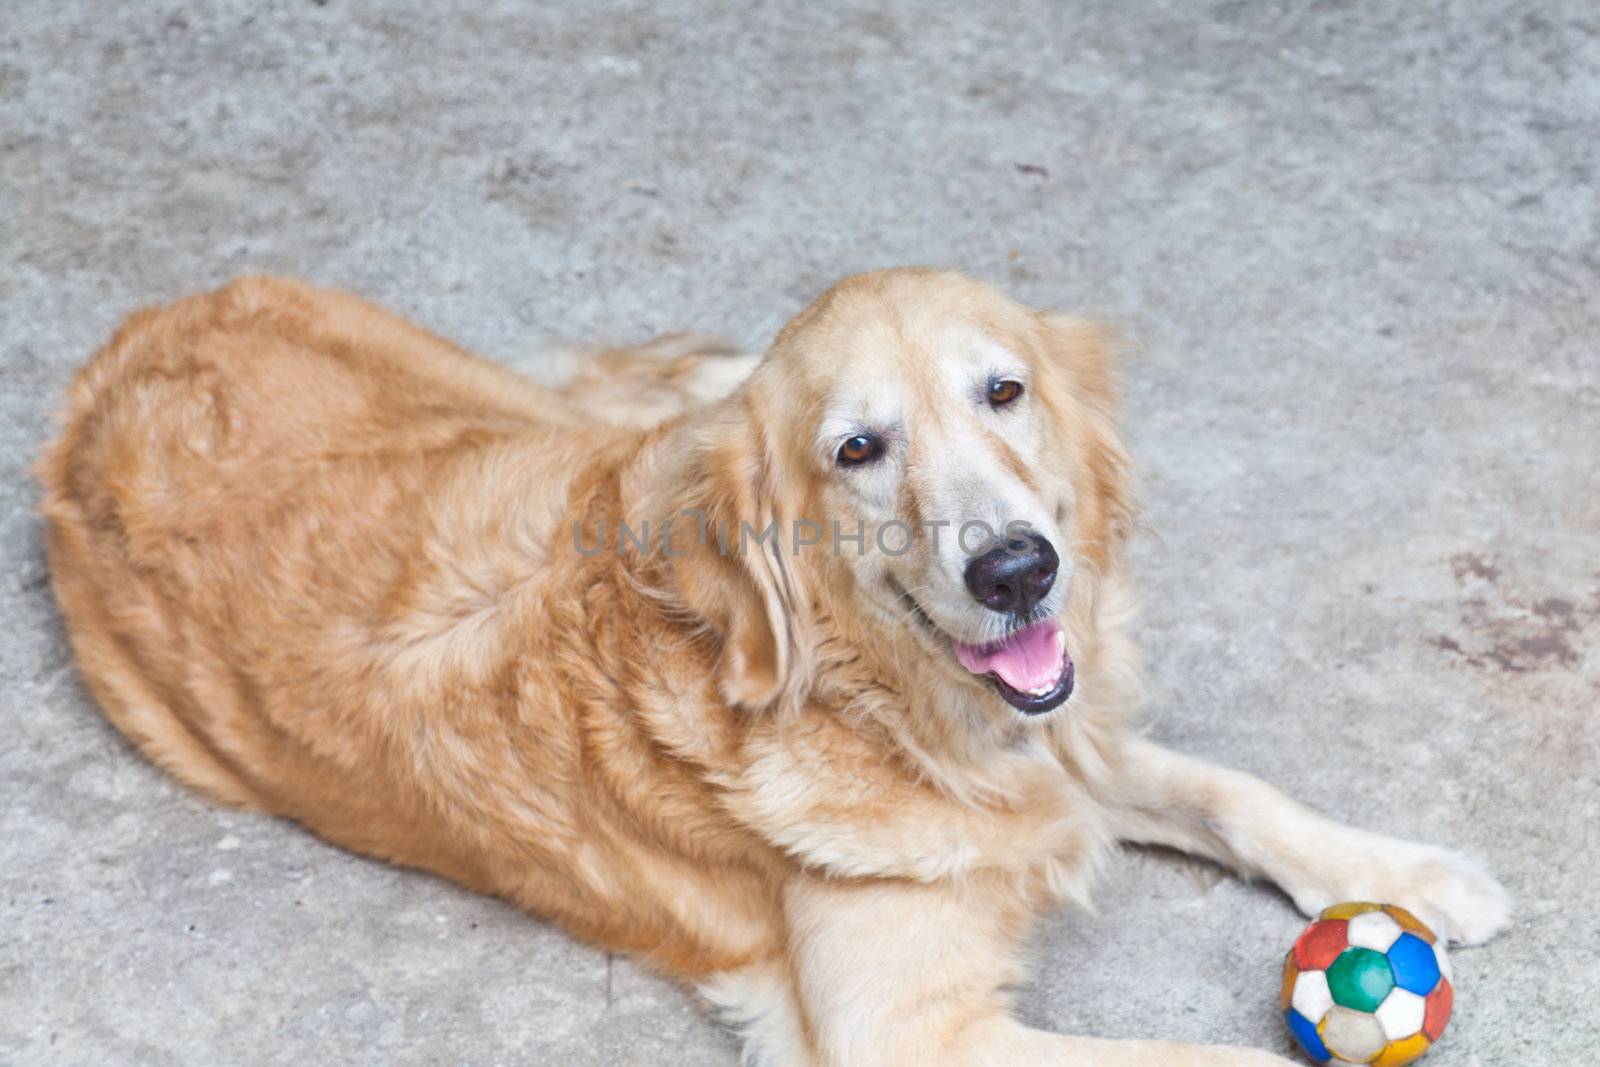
(758, 1003)
(1241, 822)
(892, 974)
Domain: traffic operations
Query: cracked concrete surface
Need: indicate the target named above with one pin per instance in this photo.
(1356, 238)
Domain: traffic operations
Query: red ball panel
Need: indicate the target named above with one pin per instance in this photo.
(1439, 1003)
(1321, 944)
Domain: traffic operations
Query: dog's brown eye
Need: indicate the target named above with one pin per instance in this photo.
(1004, 391)
(862, 448)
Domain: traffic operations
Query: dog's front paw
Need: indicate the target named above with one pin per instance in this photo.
(1455, 895)
(1458, 899)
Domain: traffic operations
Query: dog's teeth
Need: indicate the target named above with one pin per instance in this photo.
(1061, 640)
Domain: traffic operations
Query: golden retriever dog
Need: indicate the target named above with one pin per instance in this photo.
(802, 678)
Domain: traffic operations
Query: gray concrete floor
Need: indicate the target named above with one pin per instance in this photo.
(1357, 239)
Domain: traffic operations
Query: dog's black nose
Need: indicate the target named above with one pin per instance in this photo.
(1016, 575)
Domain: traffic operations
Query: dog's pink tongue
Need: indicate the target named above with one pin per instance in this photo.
(1028, 660)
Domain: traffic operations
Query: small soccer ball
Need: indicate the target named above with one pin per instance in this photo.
(1366, 983)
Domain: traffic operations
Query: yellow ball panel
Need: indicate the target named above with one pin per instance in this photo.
(1290, 973)
(1399, 1053)
(1410, 922)
(1349, 910)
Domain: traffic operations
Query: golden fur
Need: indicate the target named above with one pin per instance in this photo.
(318, 562)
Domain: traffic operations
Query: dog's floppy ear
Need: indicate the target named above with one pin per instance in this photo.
(1085, 352)
(740, 573)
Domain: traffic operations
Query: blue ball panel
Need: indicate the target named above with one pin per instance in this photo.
(1414, 965)
(1306, 1034)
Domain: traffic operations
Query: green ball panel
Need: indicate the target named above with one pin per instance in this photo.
(1360, 978)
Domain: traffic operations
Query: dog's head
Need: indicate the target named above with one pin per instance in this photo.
(927, 466)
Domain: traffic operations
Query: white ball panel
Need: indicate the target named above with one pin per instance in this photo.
(1401, 1013)
(1353, 1035)
(1312, 998)
(1444, 960)
(1376, 930)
